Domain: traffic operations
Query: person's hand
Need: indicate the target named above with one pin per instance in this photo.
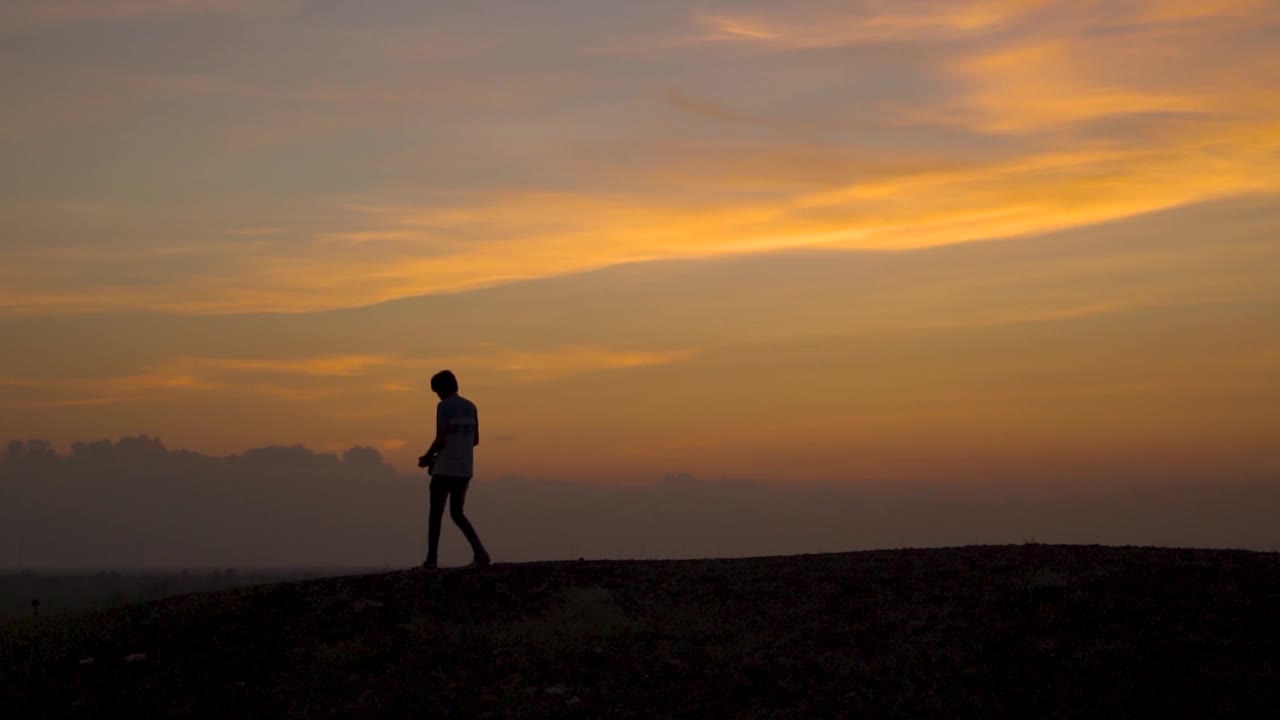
(426, 461)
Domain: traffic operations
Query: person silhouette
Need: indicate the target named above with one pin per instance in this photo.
(449, 461)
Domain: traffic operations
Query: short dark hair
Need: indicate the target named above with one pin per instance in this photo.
(444, 381)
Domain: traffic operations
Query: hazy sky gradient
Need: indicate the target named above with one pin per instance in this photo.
(734, 239)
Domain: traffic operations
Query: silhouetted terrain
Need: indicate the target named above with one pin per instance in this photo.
(980, 631)
(77, 592)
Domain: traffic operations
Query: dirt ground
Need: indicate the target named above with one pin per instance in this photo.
(1023, 631)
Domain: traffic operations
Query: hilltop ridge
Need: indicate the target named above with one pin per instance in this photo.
(980, 631)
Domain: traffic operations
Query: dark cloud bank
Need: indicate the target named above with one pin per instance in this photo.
(136, 503)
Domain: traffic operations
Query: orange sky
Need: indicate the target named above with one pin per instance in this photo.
(819, 240)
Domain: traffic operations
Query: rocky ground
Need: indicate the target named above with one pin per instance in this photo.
(1022, 631)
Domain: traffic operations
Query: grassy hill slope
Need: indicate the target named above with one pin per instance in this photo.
(1008, 631)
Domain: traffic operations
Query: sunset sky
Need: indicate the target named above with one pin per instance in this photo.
(901, 240)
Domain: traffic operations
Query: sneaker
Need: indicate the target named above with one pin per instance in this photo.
(481, 561)
(429, 564)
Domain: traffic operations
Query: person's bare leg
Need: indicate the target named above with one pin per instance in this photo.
(456, 500)
(439, 496)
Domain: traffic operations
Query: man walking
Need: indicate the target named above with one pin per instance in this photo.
(449, 461)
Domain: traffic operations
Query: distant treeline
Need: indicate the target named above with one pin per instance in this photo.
(136, 504)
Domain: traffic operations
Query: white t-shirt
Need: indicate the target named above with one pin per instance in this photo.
(459, 418)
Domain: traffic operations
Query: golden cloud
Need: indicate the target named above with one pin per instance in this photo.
(327, 365)
(563, 361)
(1191, 10)
(209, 374)
(809, 25)
(1043, 86)
(1205, 124)
(539, 234)
(71, 403)
(331, 376)
(793, 27)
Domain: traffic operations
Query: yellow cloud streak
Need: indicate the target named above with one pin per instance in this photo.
(330, 365)
(550, 234)
(543, 234)
(1035, 87)
(866, 22)
(72, 403)
(243, 374)
(795, 27)
(202, 374)
(568, 233)
(1187, 10)
(1224, 143)
(562, 361)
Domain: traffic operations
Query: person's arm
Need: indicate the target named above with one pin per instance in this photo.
(477, 432)
(442, 437)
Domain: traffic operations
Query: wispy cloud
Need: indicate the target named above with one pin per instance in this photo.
(523, 235)
(1192, 10)
(70, 403)
(811, 25)
(328, 365)
(707, 108)
(180, 376)
(824, 25)
(534, 234)
(330, 376)
(212, 373)
(1003, 118)
(1040, 87)
(307, 378)
(563, 361)
(490, 358)
(1093, 61)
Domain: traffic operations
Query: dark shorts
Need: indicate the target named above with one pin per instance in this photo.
(451, 483)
